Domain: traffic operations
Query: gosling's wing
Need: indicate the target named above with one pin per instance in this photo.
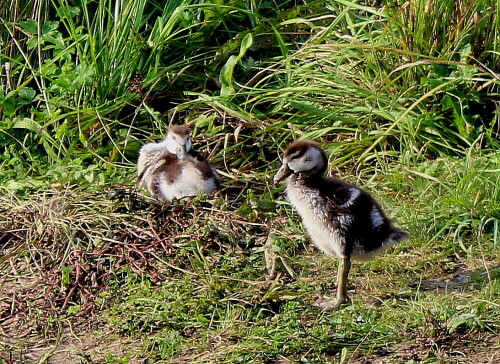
(149, 154)
(341, 196)
(205, 168)
(369, 225)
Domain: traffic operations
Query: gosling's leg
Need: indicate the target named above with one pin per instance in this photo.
(344, 269)
(343, 272)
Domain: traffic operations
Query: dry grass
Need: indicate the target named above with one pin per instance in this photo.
(61, 249)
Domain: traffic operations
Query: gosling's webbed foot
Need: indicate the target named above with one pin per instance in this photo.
(328, 303)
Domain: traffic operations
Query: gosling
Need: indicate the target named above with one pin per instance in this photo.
(341, 219)
(169, 169)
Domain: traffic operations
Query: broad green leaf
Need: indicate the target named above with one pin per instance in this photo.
(246, 43)
(30, 26)
(27, 93)
(26, 123)
(32, 42)
(8, 106)
(49, 27)
(463, 322)
(226, 74)
(67, 12)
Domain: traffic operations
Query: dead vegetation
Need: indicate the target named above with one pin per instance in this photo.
(60, 249)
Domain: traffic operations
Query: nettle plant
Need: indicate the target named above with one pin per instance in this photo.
(42, 81)
(65, 79)
(68, 79)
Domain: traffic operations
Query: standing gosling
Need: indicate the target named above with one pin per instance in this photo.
(169, 169)
(342, 219)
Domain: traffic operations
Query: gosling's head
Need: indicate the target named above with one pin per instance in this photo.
(178, 140)
(302, 156)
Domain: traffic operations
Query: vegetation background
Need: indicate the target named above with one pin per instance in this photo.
(402, 94)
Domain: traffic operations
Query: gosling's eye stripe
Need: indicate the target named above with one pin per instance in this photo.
(296, 153)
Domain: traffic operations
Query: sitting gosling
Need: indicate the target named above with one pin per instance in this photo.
(169, 169)
(342, 219)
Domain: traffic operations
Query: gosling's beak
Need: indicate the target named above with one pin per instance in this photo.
(181, 150)
(282, 173)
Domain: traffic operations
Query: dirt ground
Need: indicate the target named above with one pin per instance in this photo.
(31, 334)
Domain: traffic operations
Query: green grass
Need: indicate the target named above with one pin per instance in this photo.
(402, 97)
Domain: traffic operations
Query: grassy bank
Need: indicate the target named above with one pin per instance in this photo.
(402, 96)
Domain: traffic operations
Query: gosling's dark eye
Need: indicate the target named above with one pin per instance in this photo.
(307, 159)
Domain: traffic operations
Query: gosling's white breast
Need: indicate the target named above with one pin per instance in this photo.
(311, 208)
(190, 181)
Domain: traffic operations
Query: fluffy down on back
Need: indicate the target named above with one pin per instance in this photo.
(169, 169)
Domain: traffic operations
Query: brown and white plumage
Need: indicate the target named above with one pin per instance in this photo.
(169, 169)
(341, 219)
